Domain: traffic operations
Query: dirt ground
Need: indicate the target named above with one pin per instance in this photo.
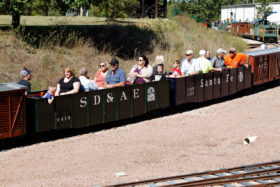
(198, 140)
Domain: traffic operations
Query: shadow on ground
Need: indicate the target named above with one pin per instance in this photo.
(11, 143)
(124, 41)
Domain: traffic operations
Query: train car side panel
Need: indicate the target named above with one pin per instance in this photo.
(110, 103)
(208, 86)
(63, 112)
(225, 83)
(124, 108)
(190, 89)
(233, 81)
(96, 107)
(80, 110)
(138, 100)
(216, 85)
(45, 115)
(151, 96)
(163, 94)
(199, 89)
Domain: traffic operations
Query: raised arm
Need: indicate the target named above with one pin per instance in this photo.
(57, 90)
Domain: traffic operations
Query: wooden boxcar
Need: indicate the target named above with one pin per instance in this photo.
(265, 65)
(12, 110)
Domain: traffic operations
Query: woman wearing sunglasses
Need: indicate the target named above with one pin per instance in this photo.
(141, 72)
(100, 76)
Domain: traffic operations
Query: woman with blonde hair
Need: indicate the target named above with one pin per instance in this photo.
(69, 84)
(158, 60)
(100, 76)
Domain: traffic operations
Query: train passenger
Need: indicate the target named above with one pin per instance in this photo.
(234, 59)
(69, 84)
(86, 83)
(204, 63)
(161, 74)
(189, 66)
(219, 61)
(115, 77)
(158, 60)
(50, 94)
(176, 72)
(140, 72)
(100, 76)
(25, 75)
(207, 55)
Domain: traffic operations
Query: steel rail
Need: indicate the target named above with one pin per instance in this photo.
(241, 175)
(252, 179)
(213, 172)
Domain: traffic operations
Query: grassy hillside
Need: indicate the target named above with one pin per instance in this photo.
(48, 48)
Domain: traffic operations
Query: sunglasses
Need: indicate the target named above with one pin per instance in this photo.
(102, 66)
(232, 52)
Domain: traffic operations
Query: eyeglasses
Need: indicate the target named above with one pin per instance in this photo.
(141, 60)
(102, 66)
(232, 52)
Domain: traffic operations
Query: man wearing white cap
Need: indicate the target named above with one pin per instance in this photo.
(25, 75)
(189, 66)
(204, 63)
(218, 61)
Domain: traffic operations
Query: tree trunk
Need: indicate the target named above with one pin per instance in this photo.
(81, 11)
(15, 20)
(165, 8)
(156, 8)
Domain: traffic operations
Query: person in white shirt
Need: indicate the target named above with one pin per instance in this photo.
(189, 66)
(86, 83)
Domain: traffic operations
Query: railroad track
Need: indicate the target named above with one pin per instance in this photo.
(264, 174)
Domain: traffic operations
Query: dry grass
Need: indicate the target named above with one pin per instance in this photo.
(47, 62)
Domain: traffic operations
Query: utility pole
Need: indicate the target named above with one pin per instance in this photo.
(156, 8)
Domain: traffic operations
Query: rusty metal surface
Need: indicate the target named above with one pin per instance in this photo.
(12, 113)
(263, 52)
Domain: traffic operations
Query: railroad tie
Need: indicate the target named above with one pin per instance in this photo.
(171, 182)
(152, 185)
(228, 185)
(189, 179)
(262, 181)
(246, 183)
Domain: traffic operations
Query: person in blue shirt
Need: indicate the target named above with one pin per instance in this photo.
(115, 77)
(50, 94)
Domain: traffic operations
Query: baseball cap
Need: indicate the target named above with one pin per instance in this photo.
(220, 50)
(202, 52)
(189, 52)
(232, 49)
(25, 72)
(114, 61)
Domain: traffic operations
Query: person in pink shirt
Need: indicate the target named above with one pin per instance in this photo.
(100, 76)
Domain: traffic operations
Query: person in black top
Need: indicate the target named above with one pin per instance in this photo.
(25, 75)
(161, 74)
(69, 84)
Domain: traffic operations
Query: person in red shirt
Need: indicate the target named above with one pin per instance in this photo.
(176, 72)
(234, 59)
